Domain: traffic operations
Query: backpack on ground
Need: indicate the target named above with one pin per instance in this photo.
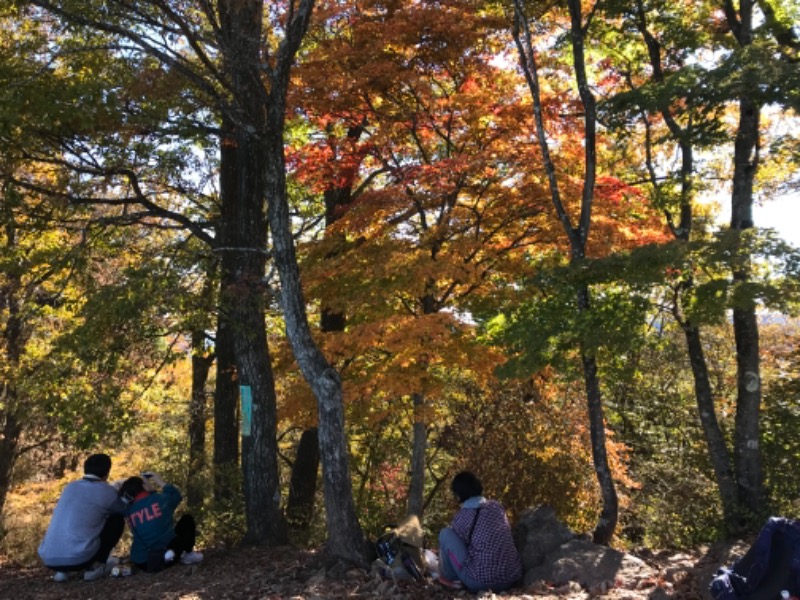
(400, 549)
(770, 566)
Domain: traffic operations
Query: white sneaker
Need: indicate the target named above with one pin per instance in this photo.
(191, 558)
(99, 571)
(60, 577)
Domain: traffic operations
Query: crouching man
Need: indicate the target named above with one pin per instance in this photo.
(86, 524)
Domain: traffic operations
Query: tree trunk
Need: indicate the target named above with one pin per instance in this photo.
(303, 483)
(345, 537)
(244, 244)
(607, 522)
(419, 445)
(715, 441)
(226, 414)
(226, 393)
(303, 486)
(13, 339)
(416, 488)
(9, 443)
(747, 453)
(717, 448)
(201, 365)
(577, 235)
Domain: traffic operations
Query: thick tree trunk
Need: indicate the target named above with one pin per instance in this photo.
(303, 483)
(201, 365)
(747, 450)
(226, 393)
(226, 414)
(260, 476)
(244, 248)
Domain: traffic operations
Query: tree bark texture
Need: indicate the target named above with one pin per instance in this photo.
(345, 537)
(244, 250)
(303, 486)
(303, 482)
(201, 365)
(416, 488)
(226, 412)
(717, 448)
(747, 452)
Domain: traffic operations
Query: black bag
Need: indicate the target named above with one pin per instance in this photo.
(771, 564)
(155, 560)
(402, 545)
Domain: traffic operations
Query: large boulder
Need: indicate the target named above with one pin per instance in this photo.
(590, 565)
(537, 533)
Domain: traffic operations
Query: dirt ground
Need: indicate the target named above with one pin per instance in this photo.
(289, 573)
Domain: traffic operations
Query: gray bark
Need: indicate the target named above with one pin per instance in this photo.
(345, 538)
(747, 453)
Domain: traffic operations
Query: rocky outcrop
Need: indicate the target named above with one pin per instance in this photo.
(552, 553)
(538, 533)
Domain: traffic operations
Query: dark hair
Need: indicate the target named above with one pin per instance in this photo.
(130, 488)
(98, 465)
(465, 485)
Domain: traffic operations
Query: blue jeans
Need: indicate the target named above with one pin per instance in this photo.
(452, 558)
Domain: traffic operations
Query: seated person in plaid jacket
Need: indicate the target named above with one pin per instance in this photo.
(477, 551)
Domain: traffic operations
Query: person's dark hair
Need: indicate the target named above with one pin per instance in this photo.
(98, 465)
(130, 488)
(465, 485)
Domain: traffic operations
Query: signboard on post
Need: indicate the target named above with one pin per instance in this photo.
(246, 396)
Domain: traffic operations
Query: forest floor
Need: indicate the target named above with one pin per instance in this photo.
(293, 574)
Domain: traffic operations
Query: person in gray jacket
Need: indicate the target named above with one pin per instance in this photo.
(86, 524)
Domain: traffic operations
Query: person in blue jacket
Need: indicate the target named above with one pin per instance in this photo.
(150, 516)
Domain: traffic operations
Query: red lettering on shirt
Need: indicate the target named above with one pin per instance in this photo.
(148, 513)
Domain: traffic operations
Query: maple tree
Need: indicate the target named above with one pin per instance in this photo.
(425, 187)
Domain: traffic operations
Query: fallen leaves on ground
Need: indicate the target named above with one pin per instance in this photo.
(293, 574)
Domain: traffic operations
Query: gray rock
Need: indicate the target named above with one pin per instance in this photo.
(590, 565)
(538, 533)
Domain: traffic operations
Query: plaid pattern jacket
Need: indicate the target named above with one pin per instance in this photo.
(492, 557)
